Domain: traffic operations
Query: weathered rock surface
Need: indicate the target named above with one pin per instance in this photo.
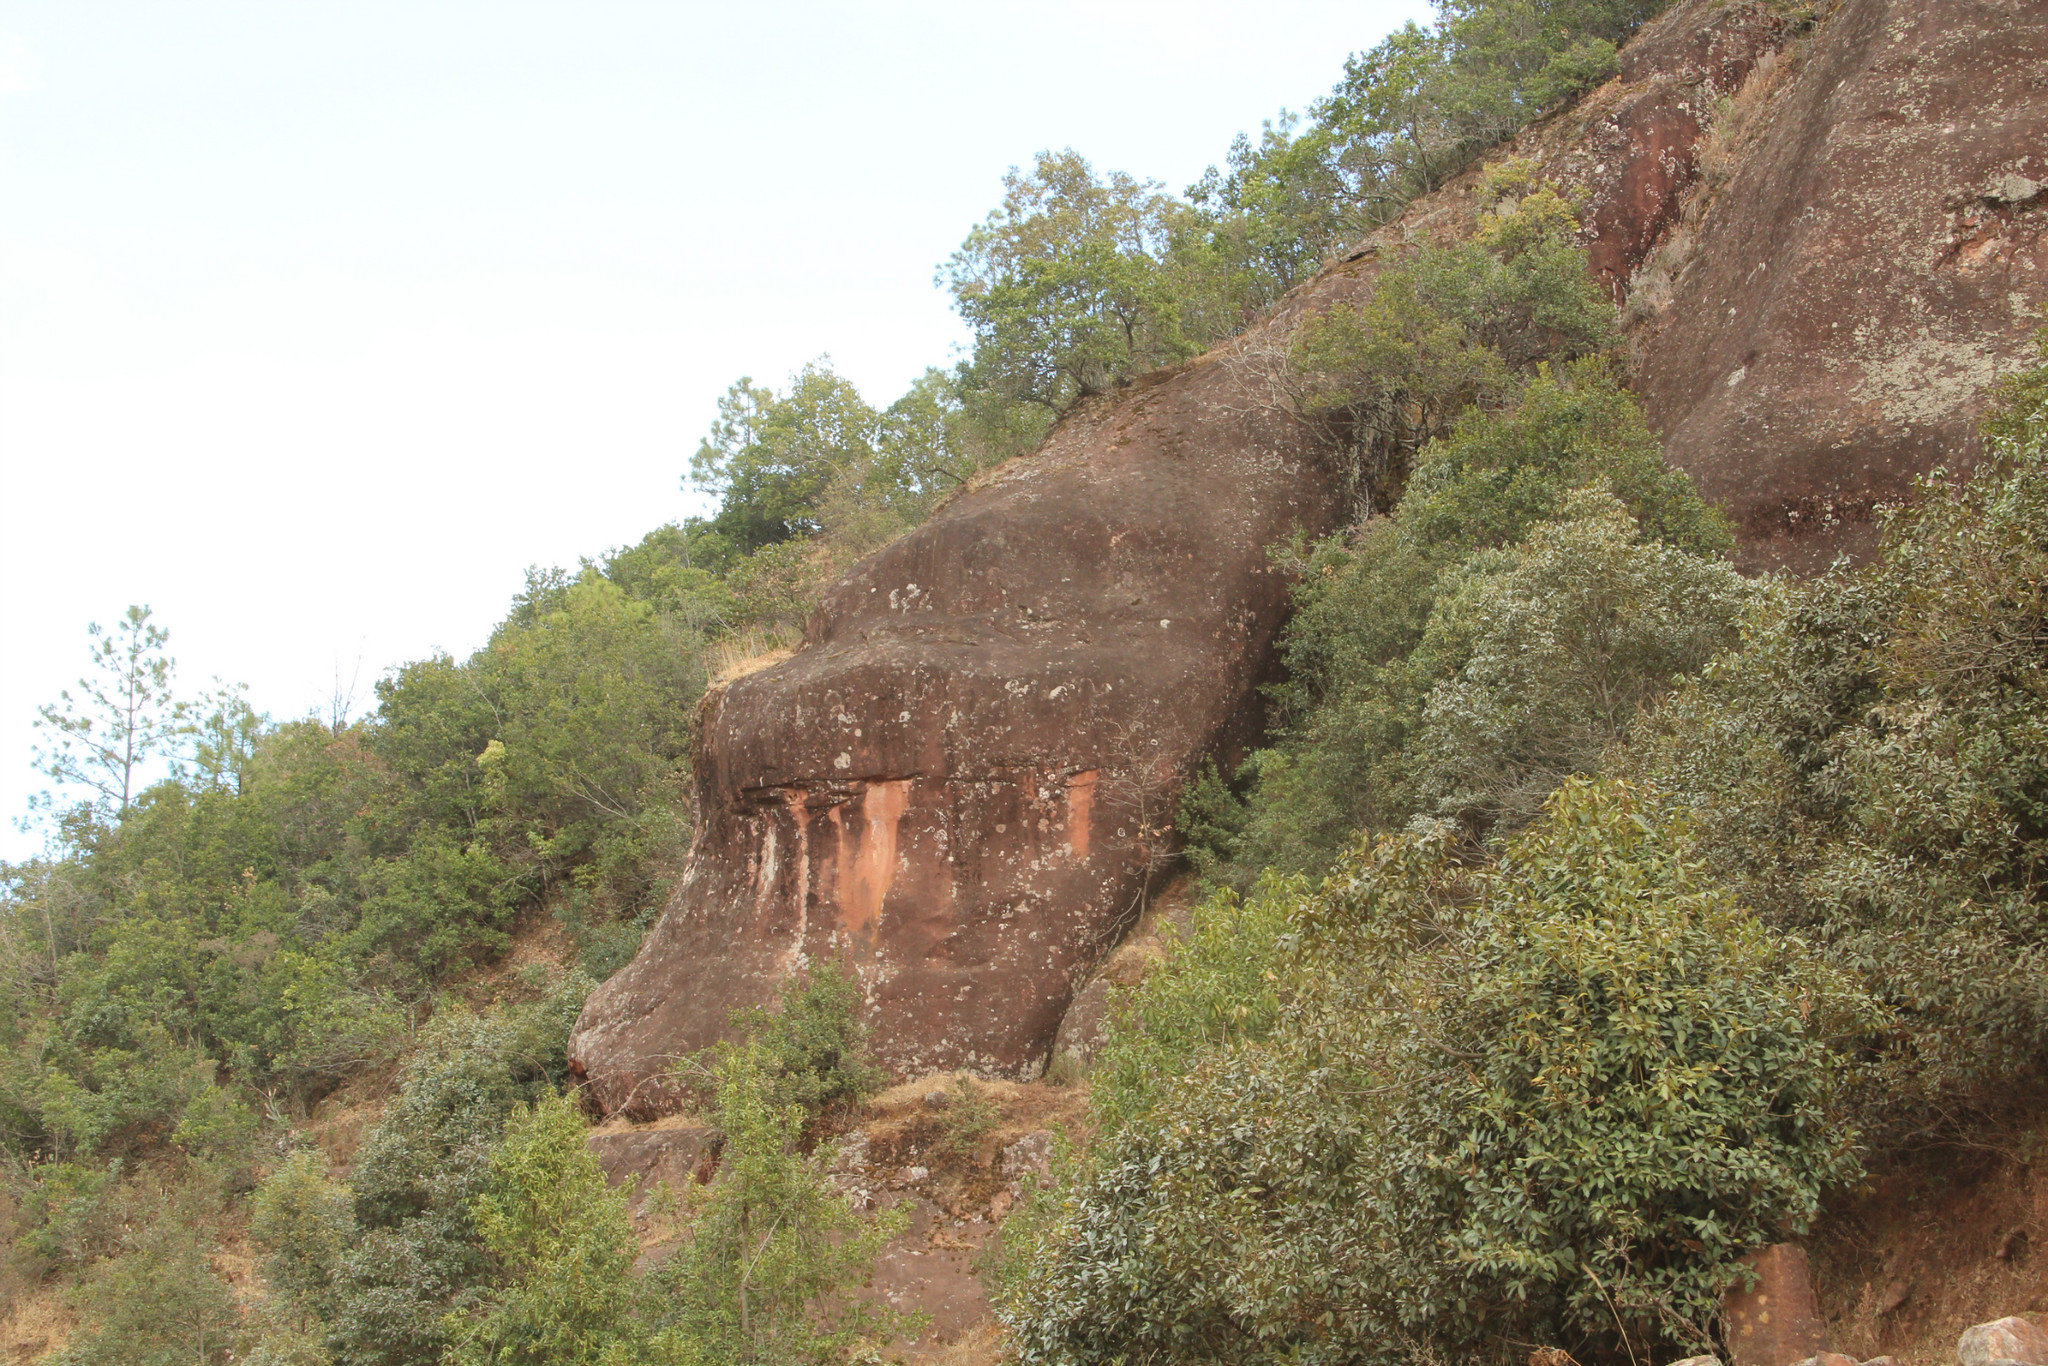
(646, 1156)
(1777, 1320)
(1876, 258)
(2008, 1340)
(956, 786)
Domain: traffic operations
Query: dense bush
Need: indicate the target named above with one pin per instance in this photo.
(1550, 531)
(561, 1250)
(811, 1047)
(1448, 329)
(1871, 770)
(774, 1250)
(1548, 1102)
(383, 1266)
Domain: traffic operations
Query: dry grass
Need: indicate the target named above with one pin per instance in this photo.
(750, 651)
(1937, 1242)
(39, 1321)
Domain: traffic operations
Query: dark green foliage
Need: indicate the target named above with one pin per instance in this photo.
(812, 1046)
(1543, 575)
(381, 1272)
(1449, 330)
(561, 1249)
(774, 1251)
(1070, 286)
(1546, 1102)
(1410, 113)
(157, 1301)
(1872, 771)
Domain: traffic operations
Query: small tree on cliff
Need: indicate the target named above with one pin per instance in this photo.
(773, 1249)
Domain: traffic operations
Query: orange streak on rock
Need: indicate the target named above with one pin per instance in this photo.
(1080, 808)
(801, 814)
(867, 865)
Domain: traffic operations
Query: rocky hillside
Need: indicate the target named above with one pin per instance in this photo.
(1826, 234)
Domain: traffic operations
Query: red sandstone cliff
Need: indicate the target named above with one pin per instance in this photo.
(1828, 240)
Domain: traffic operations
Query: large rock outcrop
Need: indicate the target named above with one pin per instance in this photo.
(1875, 258)
(957, 786)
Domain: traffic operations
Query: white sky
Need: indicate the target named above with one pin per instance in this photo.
(320, 322)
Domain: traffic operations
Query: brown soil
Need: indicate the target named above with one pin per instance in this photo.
(904, 1131)
(1936, 1242)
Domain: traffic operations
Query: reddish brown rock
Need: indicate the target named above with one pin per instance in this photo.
(2003, 1342)
(958, 785)
(646, 1156)
(1874, 260)
(1776, 1321)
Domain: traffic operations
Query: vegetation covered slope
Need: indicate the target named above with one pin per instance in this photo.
(1536, 1061)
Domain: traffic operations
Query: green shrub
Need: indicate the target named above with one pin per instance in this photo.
(1221, 983)
(1447, 329)
(1548, 1102)
(415, 1255)
(774, 1249)
(157, 1301)
(813, 1044)
(1545, 655)
(1412, 687)
(1871, 771)
(561, 1248)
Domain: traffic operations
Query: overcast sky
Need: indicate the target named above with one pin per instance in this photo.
(320, 322)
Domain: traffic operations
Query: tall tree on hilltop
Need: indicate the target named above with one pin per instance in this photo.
(123, 716)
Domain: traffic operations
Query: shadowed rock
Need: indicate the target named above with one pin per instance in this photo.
(1875, 259)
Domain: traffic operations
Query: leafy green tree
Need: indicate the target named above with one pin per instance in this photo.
(1413, 111)
(813, 1045)
(416, 1254)
(1276, 212)
(305, 1224)
(1067, 284)
(1449, 330)
(774, 1249)
(1546, 655)
(771, 458)
(223, 730)
(1548, 1101)
(562, 1251)
(158, 1302)
(1378, 630)
(123, 716)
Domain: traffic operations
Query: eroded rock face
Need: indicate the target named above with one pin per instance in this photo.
(1875, 259)
(956, 786)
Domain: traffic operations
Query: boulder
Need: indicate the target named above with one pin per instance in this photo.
(960, 786)
(1875, 258)
(1029, 1157)
(2010, 1340)
(1777, 1320)
(644, 1156)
